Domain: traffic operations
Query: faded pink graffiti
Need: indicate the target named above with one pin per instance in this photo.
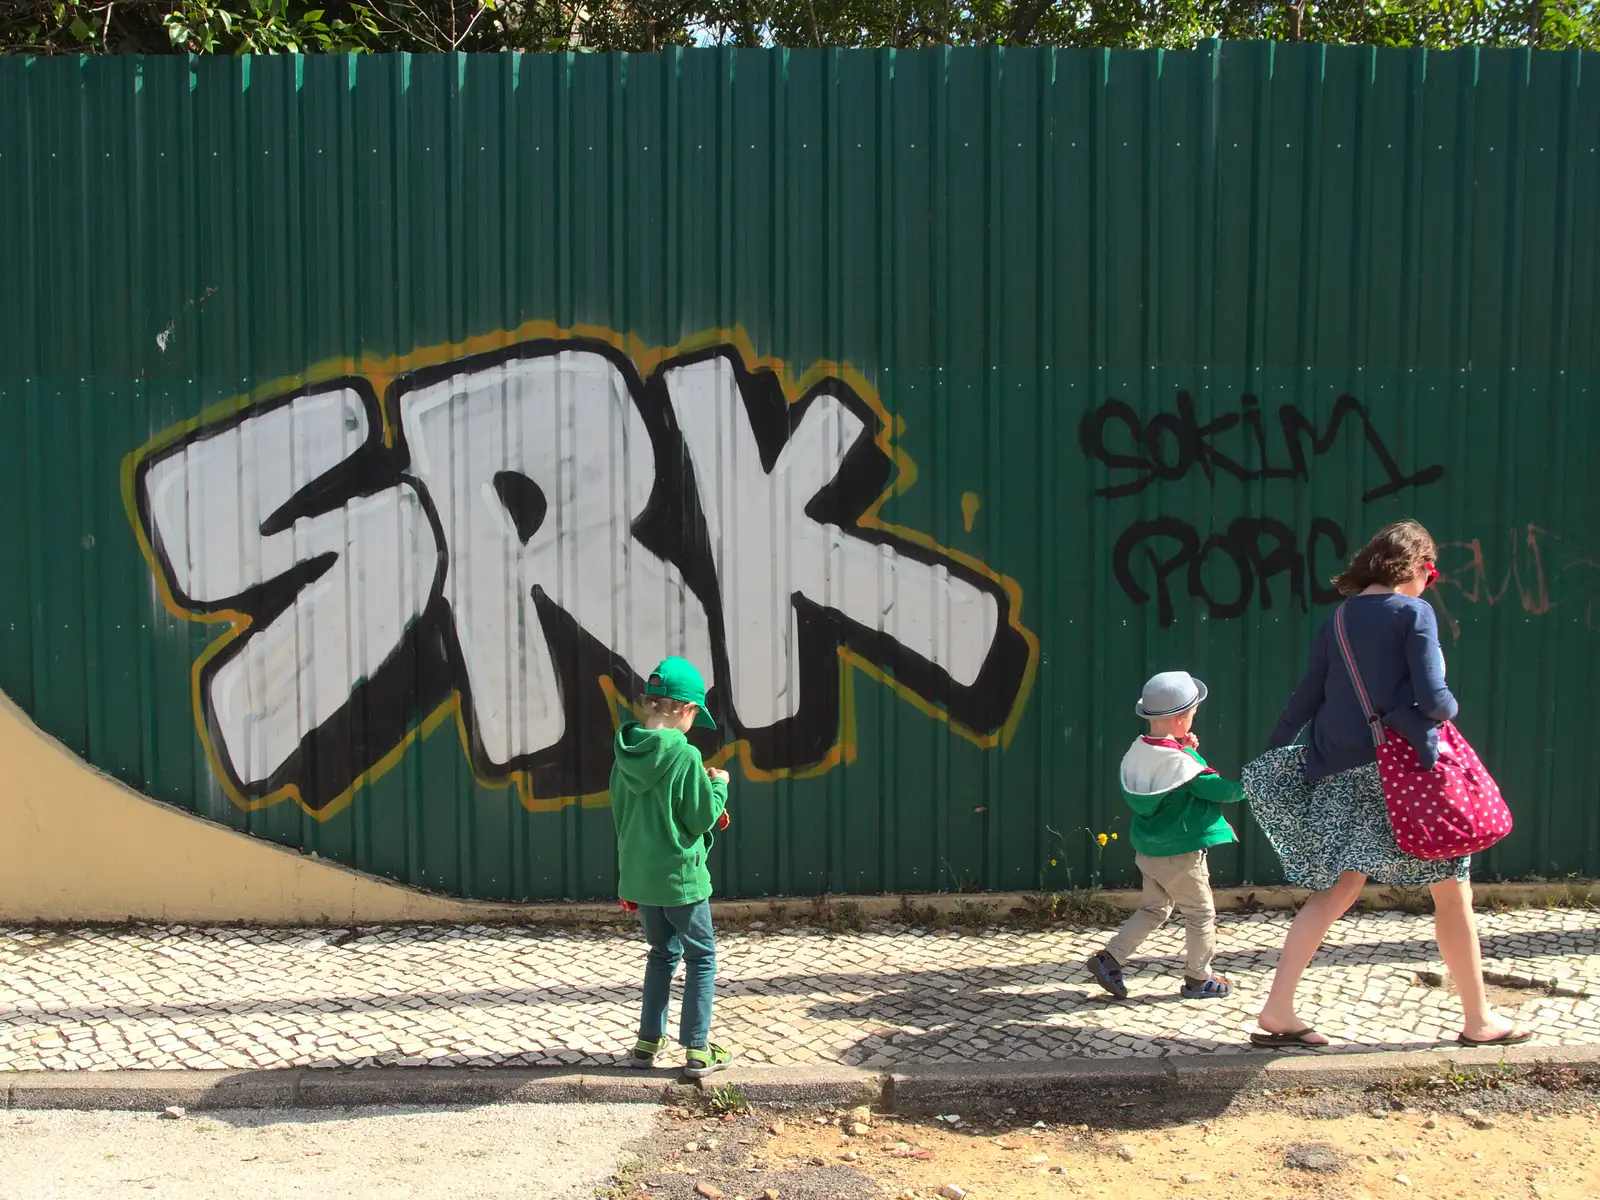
(1539, 570)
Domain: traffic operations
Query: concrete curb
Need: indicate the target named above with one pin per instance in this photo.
(336, 1088)
(917, 1090)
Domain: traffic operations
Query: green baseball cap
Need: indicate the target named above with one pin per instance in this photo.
(676, 679)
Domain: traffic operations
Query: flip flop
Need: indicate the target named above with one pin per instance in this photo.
(1297, 1037)
(1511, 1037)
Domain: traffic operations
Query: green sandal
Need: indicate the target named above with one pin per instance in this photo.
(645, 1053)
(698, 1064)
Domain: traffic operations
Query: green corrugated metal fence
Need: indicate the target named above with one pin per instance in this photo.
(371, 425)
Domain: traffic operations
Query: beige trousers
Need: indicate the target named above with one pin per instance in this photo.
(1181, 881)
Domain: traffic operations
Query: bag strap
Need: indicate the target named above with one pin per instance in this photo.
(1374, 722)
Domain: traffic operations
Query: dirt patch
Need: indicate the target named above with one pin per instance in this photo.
(1544, 1088)
(1396, 1156)
(702, 1157)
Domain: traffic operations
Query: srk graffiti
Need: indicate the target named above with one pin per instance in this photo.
(519, 535)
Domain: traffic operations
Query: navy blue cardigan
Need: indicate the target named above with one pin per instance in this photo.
(1396, 643)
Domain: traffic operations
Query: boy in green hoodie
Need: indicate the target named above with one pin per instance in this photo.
(666, 802)
(1177, 816)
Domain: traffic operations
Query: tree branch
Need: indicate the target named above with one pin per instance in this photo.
(456, 43)
(1025, 18)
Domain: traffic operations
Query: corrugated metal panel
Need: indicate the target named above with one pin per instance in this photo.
(372, 424)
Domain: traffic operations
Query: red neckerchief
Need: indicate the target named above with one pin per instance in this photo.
(1155, 741)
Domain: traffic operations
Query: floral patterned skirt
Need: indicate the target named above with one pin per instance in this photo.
(1333, 825)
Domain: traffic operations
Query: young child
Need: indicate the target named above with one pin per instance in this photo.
(1176, 801)
(666, 802)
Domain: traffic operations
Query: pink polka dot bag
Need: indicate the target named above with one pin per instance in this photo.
(1455, 808)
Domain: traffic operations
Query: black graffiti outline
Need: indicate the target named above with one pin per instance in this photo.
(1240, 544)
(859, 483)
(426, 673)
(1192, 441)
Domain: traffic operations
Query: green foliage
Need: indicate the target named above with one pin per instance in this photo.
(288, 26)
(282, 26)
(1076, 906)
(729, 1098)
(841, 916)
(1099, 842)
(207, 28)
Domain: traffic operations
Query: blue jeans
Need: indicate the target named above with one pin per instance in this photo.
(675, 933)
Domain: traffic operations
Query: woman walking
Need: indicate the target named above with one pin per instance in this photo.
(1321, 804)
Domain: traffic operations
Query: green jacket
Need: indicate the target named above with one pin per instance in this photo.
(1184, 819)
(665, 808)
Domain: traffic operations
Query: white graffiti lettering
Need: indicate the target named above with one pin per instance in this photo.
(212, 504)
(537, 520)
(767, 550)
(563, 431)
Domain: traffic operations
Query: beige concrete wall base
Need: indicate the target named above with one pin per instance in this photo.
(1375, 897)
(76, 845)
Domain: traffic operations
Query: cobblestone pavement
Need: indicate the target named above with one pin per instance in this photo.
(175, 997)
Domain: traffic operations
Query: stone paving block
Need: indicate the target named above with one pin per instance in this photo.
(176, 997)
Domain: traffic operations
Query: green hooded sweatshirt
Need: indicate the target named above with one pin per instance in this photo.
(665, 807)
(1176, 799)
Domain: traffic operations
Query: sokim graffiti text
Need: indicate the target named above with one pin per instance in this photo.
(1228, 569)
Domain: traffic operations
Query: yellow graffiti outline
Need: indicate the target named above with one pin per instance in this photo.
(380, 373)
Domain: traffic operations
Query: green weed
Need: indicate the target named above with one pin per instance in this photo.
(972, 914)
(1576, 892)
(1085, 906)
(842, 916)
(625, 1183)
(1439, 1084)
(729, 1099)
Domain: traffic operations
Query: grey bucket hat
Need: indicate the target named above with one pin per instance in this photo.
(1170, 693)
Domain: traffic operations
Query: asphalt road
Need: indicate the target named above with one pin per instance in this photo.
(529, 1151)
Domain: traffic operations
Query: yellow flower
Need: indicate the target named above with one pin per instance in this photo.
(1052, 862)
(1113, 837)
(1102, 839)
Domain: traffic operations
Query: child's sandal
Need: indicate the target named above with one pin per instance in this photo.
(1108, 974)
(1214, 988)
(645, 1053)
(700, 1062)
